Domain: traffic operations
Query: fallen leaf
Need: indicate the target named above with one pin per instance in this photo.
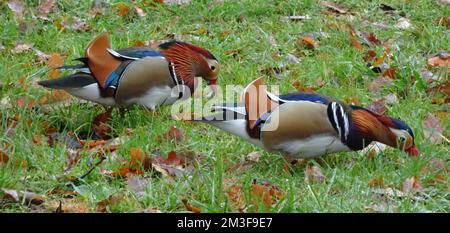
(72, 158)
(54, 73)
(189, 207)
(253, 157)
(270, 194)
(41, 56)
(444, 21)
(137, 184)
(100, 126)
(435, 165)
(291, 58)
(444, 2)
(102, 206)
(433, 129)
(391, 99)
(139, 11)
(378, 83)
(377, 182)
(122, 9)
(411, 184)
(390, 73)
(63, 192)
(17, 7)
(77, 24)
(309, 42)
(314, 174)
(389, 192)
(46, 7)
(378, 106)
(403, 23)
(55, 61)
(72, 205)
(4, 158)
(28, 198)
(373, 149)
(439, 59)
(334, 7)
(22, 48)
(137, 43)
(236, 197)
(301, 88)
(372, 38)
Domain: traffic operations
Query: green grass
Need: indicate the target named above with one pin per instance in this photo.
(231, 25)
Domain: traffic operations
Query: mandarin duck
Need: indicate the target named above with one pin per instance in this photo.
(137, 75)
(307, 125)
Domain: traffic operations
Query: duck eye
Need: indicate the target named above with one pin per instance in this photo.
(402, 139)
(213, 67)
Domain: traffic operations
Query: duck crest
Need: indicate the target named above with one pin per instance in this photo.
(184, 59)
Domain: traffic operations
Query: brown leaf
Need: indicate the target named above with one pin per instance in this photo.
(378, 106)
(100, 126)
(377, 182)
(122, 9)
(390, 73)
(314, 174)
(301, 88)
(72, 205)
(17, 7)
(111, 200)
(370, 56)
(41, 56)
(55, 61)
(372, 38)
(22, 48)
(444, 2)
(72, 158)
(19, 196)
(137, 43)
(174, 133)
(189, 207)
(411, 184)
(54, 73)
(445, 21)
(46, 7)
(55, 96)
(236, 196)
(137, 184)
(268, 193)
(435, 165)
(334, 7)
(356, 44)
(439, 59)
(433, 129)
(4, 158)
(378, 83)
(309, 42)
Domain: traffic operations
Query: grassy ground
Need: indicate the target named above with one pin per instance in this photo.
(244, 27)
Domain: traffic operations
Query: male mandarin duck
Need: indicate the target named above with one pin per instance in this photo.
(306, 125)
(137, 75)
